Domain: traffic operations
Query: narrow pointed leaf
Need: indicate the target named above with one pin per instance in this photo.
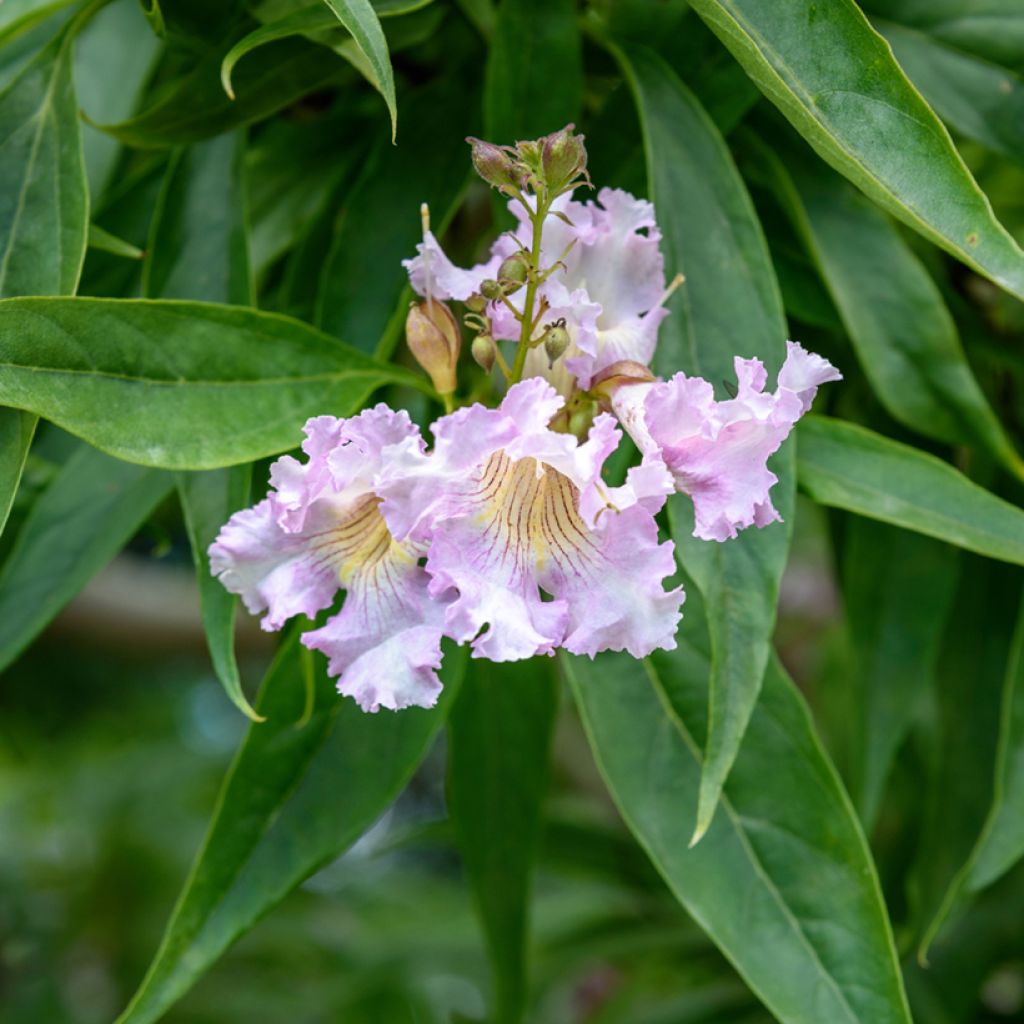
(499, 738)
(359, 17)
(729, 306)
(44, 199)
(16, 430)
(536, 44)
(837, 82)
(90, 509)
(182, 385)
(849, 467)
(783, 881)
(892, 310)
(104, 241)
(304, 785)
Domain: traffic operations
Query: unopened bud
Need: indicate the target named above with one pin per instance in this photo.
(581, 420)
(432, 334)
(512, 273)
(564, 158)
(556, 341)
(611, 378)
(490, 289)
(492, 163)
(484, 352)
(476, 303)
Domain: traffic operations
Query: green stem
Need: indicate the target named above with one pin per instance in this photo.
(526, 324)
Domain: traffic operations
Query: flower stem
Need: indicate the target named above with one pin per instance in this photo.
(526, 324)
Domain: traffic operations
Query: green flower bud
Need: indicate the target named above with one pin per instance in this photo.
(564, 158)
(491, 289)
(512, 273)
(556, 341)
(433, 336)
(493, 163)
(484, 352)
(476, 303)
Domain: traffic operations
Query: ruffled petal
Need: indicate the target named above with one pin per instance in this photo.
(804, 371)
(434, 276)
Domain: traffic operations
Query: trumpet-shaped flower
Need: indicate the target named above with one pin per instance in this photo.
(513, 509)
(716, 451)
(320, 529)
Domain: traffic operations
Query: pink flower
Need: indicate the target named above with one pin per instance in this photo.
(609, 290)
(717, 452)
(320, 529)
(512, 508)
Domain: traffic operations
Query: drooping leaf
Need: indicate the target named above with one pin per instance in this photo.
(853, 468)
(91, 508)
(980, 101)
(898, 588)
(198, 243)
(182, 385)
(196, 106)
(361, 20)
(304, 785)
(892, 310)
(729, 306)
(499, 735)
(836, 80)
(44, 199)
(380, 223)
(16, 430)
(783, 881)
(534, 80)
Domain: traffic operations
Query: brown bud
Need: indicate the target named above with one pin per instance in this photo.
(564, 158)
(484, 352)
(432, 334)
(512, 273)
(492, 163)
(556, 341)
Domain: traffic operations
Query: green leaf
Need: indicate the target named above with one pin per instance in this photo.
(893, 311)
(198, 243)
(380, 221)
(304, 785)
(44, 199)
(104, 241)
(182, 385)
(898, 589)
(783, 881)
(534, 79)
(836, 80)
(91, 508)
(16, 431)
(499, 738)
(195, 107)
(728, 306)
(849, 467)
(1001, 841)
(207, 500)
(980, 101)
(359, 17)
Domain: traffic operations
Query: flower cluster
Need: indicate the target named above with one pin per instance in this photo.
(504, 533)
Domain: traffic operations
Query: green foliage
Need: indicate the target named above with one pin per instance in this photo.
(204, 208)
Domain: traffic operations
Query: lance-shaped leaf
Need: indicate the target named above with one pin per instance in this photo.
(849, 467)
(499, 738)
(836, 80)
(380, 221)
(16, 430)
(359, 17)
(304, 785)
(84, 517)
(1001, 841)
(536, 44)
(729, 305)
(892, 310)
(182, 385)
(897, 591)
(783, 881)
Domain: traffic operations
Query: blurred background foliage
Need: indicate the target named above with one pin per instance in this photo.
(115, 732)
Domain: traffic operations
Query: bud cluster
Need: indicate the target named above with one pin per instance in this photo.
(553, 164)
